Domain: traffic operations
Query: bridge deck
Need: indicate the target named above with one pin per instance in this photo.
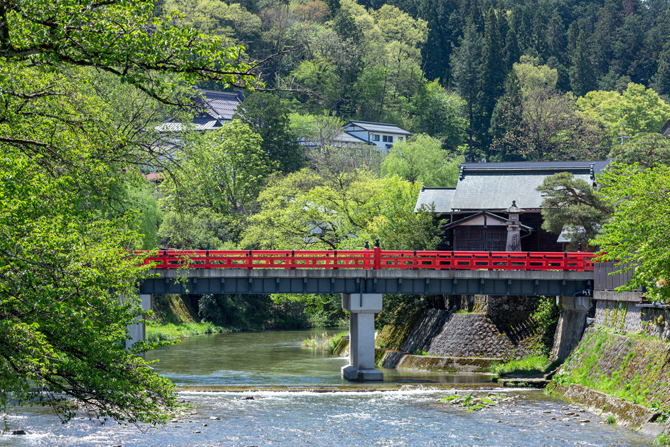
(429, 282)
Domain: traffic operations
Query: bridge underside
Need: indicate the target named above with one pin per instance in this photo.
(425, 282)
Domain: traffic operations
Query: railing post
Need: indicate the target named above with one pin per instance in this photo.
(377, 263)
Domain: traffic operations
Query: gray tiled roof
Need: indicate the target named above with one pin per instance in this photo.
(222, 105)
(441, 197)
(378, 127)
(665, 130)
(493, 186)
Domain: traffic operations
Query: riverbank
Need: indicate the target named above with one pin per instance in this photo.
(156, 332)
(621, 375)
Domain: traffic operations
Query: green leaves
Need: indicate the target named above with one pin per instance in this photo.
(637, 234)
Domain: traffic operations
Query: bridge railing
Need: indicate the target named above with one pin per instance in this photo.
(375, 259)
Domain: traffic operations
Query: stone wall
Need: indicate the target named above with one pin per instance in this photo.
(630, 367)
(477, 335)
(502, 329)
(626, 316)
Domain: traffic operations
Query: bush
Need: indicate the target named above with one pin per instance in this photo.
(527, 366)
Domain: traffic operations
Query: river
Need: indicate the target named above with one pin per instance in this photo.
(212, 370)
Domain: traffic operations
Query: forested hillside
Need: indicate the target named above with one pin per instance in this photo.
(422, 64)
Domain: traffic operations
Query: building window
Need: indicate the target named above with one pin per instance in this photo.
(388, 139)
(375, 138)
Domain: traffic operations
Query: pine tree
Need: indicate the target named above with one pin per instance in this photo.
(512, 51)
(493, 75)
(582, 76)
(465, 68)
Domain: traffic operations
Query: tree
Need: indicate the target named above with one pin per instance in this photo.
(440, 114)
(661, 80)
(646, 150)
(269, 117)
(582, 76)
(532, 75)
(640, 108)
(421, 159)
(64, 251)
(465, 68)
(547, 126)
(512, 52)
(493, 74)
(62, 271)
(340, 211)
(636, 234)
(572, 205)
(221, 173)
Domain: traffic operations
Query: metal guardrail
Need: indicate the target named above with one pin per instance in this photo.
(375, 259)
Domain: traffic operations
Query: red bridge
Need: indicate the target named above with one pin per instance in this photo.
(375, 259)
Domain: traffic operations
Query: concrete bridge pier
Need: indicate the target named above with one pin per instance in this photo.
(136, 331)
(362, 308)
(571, 324)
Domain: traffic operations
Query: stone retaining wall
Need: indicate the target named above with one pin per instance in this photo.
(626, 316)
(502, 330)
(630, 367)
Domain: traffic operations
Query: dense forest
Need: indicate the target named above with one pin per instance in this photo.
(423, 63)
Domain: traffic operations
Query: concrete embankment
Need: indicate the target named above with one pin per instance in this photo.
(484, 330)
(625, 375)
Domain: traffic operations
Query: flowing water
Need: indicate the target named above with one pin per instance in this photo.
(290, 407)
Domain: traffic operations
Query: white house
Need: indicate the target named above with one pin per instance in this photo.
(380, 134)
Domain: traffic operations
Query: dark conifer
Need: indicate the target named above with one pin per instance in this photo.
(582, 76)
(493, 75)
(512, 52)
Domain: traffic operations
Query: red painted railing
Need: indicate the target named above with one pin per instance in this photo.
(375, 259)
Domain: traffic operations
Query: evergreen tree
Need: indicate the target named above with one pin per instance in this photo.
(556, 39)
(465, 68)
(493, 76)
(661, 80)
(582, 76)
(539, 36)
(437, 49)
(512, 51)
(267, 116)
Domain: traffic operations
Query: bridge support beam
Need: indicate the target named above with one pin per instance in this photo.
(362, 308)
(136, 332)
(571, 325)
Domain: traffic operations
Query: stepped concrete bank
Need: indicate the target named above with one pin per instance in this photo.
(486, 330)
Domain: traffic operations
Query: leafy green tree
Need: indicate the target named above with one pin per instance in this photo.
(637, 233)
(546, 125)
(640, 108)
(62, 272)
(421, 159)
(65, 151)
(221, 173)
(339, 211)
(532, 75)
(267, 116)
(646, 150)
(441, 114)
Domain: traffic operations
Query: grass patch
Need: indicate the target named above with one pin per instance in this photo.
(611, 420)
(662, 440)
(165, 332)
(323, 341)
(531, 365)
